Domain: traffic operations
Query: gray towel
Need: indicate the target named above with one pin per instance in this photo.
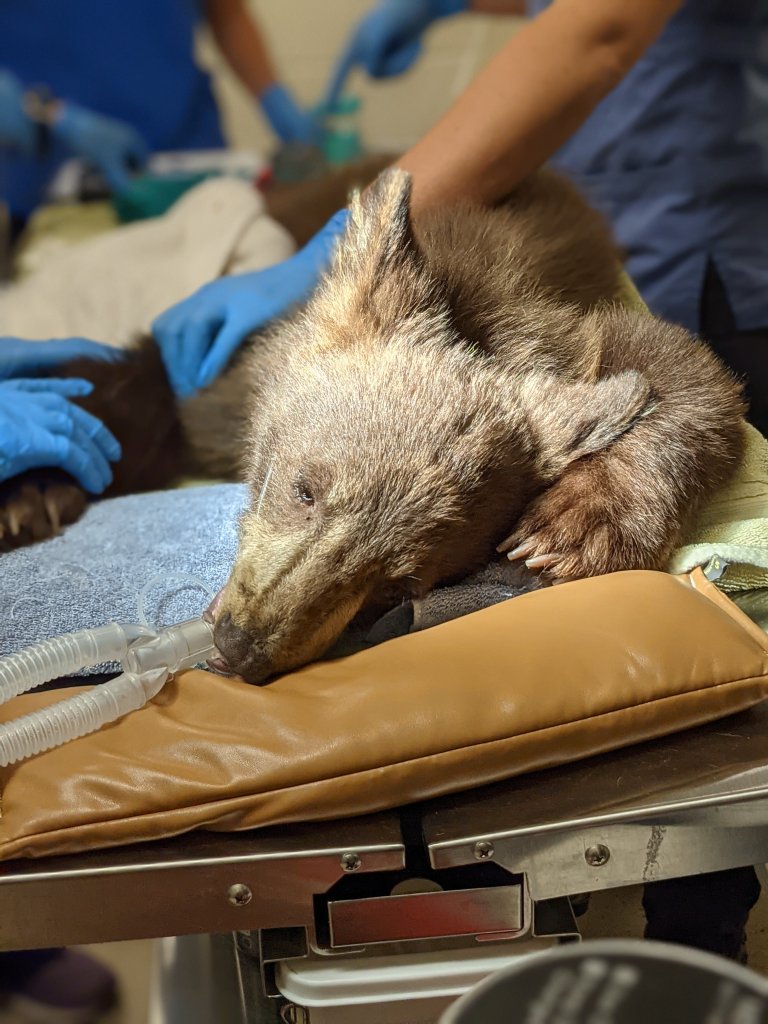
(93, 573)
(498, 582)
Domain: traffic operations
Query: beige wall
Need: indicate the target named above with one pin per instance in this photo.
(307, 36)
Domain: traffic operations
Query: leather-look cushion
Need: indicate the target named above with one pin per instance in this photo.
(550, 677)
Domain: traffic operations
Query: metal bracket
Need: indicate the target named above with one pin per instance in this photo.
(478, 913)
(555, 919)
(715, 568)
(275, 945)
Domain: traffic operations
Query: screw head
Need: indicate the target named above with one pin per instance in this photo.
(598, 855)
(484, 850)
(239, 895)
(350, 862)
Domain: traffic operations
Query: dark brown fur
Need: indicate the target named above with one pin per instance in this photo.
(136, 400)
(447, 386)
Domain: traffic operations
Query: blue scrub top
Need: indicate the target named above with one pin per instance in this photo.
(129, 59)
(677, 158)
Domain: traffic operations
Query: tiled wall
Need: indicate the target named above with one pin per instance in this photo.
(307, 36)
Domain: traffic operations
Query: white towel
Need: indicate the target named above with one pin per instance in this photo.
(111, 287)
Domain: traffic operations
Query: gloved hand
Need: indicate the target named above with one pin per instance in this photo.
(198, 337)
(111, 146)
(20, 358)
(16, 129)
(41, 428)
(289, 122)
(388, 39)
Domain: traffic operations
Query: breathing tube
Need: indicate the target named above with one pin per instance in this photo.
(148, 659)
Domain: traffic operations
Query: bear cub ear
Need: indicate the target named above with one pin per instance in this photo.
(380, 223)
(571, 420)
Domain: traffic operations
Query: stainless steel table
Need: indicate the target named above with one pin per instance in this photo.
(496, 863)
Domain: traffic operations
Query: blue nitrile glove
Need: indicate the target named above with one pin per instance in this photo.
(113, 147)
(20, 358)
(289, 122)
(388, 39)
(16, 129)
(199, 336)
(40, 428)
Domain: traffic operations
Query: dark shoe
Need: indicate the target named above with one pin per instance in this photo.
(707, 912)
(54, 987)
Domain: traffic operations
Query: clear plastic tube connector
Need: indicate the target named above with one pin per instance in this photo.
(147, 658)
(175, 648)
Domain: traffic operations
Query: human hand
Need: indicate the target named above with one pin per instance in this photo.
(388, 39)
(112, 146)
(289, 122)
(16, 129)
(199, 336)
(21, 358)
(41, 428)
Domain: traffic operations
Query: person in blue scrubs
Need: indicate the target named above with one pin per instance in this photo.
(676, 156)
(659, 110)
(114, 81)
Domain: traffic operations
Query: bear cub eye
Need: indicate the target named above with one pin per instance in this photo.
(304, 494)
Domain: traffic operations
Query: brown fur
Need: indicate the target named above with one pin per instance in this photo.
(445, 386)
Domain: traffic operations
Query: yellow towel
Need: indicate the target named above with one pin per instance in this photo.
(733, 526)
(630, 296)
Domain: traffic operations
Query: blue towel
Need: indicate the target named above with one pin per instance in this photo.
(93, 573)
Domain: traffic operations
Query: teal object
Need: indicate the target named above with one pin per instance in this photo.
(340, 144)
(151, 195)
(341, 137)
